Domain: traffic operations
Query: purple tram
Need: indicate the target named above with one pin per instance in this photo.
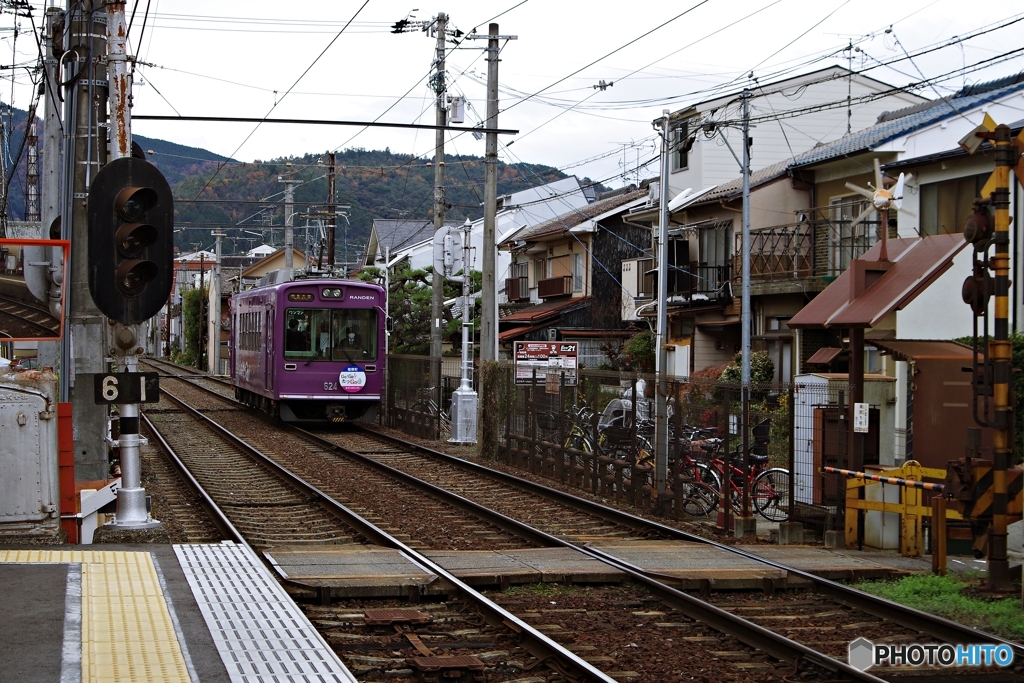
(310, 350)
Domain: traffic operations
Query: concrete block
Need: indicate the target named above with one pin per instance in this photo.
(834, 539)
(745, 527)
(791, 533)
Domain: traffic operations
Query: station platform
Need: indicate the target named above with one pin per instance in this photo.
(215, 613)
(158, 613)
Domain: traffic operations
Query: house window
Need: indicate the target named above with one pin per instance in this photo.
(946, 206)
(577, 272)
(521, 269)
(681, 147)
(847, 241)
(538, 271)
(559, 266)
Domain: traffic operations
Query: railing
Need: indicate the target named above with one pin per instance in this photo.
(699, 285)
(517, 288)
(554, 286)
(819, 248)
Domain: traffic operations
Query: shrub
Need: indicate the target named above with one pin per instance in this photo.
(762, 368)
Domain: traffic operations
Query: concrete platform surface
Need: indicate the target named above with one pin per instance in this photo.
(111, 614)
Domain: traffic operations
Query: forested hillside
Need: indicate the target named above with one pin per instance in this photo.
(246, 199)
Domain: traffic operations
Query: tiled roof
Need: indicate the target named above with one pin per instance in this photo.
(544, 311)
(396, 234)
(735, 187)
(914, 119)
(570, 219)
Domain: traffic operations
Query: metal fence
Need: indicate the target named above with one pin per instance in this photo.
(598, 435)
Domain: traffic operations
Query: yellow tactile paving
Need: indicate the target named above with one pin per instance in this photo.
(127, 632)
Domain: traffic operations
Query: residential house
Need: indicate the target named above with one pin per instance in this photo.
(390, 238)
(789, 116)
(807, 225)
(514, 213)
(564, 274)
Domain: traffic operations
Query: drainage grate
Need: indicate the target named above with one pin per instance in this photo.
(258, 630)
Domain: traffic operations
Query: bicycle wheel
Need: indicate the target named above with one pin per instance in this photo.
(580, 442)
(700, 489)
(770, 493)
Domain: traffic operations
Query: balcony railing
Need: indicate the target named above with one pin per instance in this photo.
(517, 288)
(690, 285)
(820, 248)
(555, 286)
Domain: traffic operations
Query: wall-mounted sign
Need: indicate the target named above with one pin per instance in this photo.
(541, 359)
(861, 420)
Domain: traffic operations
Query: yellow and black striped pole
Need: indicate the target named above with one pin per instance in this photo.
(1000, 354)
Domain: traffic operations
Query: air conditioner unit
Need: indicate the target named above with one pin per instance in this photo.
(552, 334)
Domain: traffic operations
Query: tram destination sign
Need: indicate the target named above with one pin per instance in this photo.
(544, 362)
(126, 387)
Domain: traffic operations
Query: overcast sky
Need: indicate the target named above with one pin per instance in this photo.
(286, 59)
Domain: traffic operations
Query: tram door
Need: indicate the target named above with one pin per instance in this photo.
(269, 359)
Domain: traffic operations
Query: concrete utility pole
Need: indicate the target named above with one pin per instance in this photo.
(214, 325)
(489, 291)
(437, 296)
(330, 211)
(661, 367)
(289, 218)
(84, 153)
(745, 256)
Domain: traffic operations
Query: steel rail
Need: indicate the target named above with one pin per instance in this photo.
(533, 641)
(908, 617)
(747, 632)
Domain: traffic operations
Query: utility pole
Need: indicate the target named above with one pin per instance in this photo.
(202, 309)
(489, 291)
(52, 353)
(745, 256)
(437, 295)
(330, 211)
(289, 219)
(661, 367)
(85, 152)
(214, 325)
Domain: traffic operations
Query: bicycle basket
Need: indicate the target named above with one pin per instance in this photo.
(547, 422)
(618, 436)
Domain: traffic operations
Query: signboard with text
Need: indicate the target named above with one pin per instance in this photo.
(537, 361)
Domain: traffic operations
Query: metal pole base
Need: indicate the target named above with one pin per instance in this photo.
(131, 511)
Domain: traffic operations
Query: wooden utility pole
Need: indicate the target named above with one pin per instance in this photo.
(438, 82)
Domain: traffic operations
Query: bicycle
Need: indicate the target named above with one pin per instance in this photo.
(769, 487)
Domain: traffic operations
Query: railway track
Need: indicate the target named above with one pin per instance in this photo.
(470, 480)
(23, 319)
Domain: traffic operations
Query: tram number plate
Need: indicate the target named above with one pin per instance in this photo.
(126, 387)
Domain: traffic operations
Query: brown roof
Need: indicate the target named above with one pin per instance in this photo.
(570, 219)
(919, 349)
(914, 264)
(541, 312)
(824, 355)
(517, 332)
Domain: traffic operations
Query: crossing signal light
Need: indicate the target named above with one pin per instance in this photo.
(131, 240)
(978, 228)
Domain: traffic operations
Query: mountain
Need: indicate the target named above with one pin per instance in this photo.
(245, 200)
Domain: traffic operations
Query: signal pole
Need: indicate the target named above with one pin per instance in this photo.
(437, 296)
(85, 151)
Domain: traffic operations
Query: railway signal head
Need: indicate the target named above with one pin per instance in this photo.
(131, 240)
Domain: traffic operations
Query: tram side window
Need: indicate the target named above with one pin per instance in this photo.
(250, 335)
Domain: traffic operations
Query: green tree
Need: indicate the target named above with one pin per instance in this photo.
(762, 368)
(191, 305)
